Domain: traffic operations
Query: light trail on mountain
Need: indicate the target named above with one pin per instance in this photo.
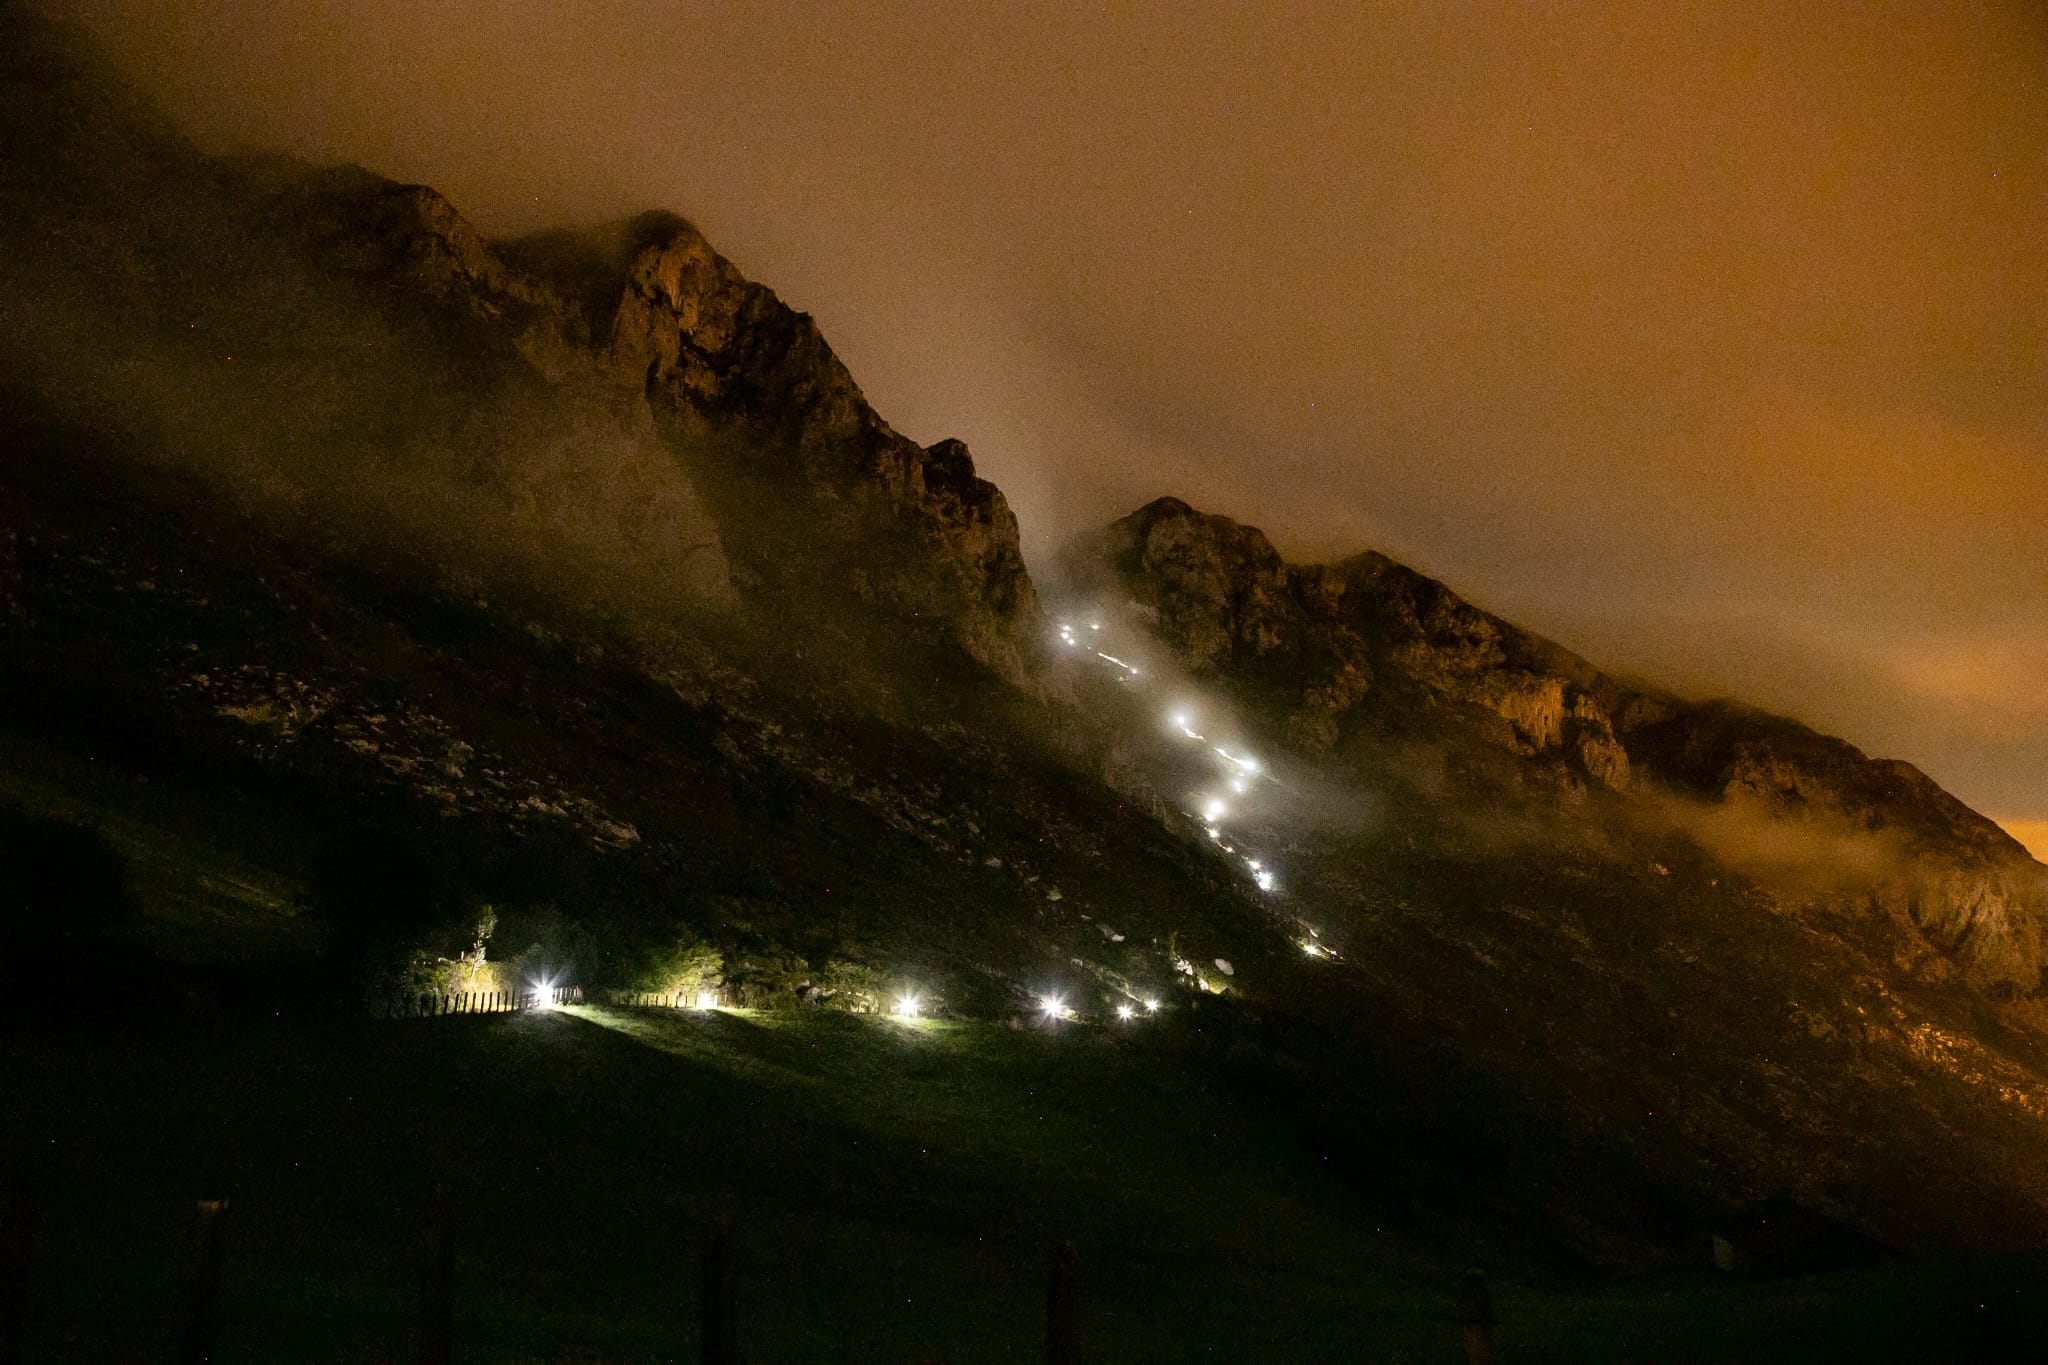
(1241, 770)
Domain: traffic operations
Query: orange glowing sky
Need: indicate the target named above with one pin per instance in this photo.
(1710, 339)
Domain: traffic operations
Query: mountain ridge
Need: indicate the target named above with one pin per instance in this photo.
(574, 578)
(1368, 643)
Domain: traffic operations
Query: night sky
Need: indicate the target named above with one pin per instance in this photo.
(1713, 343)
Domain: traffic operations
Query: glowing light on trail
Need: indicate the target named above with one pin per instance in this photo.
(1124, 1011)
(1054, 1007)
(1214, 811)
(1247, 765)
(906, 1006)
(707, 1000)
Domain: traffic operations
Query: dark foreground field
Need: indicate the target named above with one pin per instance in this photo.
(893, 1187)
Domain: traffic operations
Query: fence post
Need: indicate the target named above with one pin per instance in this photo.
(1062, 1316)
(1476, 1307)
(720, 1343)
(200, 1329)
(17, 1218)
(437, 1285)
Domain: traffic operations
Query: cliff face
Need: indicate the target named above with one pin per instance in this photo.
(1962, 883)
(638, 333)
(787, 448)
(1366, 642)
(814, 494)
(1368, 647)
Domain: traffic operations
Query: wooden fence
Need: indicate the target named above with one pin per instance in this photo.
(662, 1000)
(719, 1328)
(434, 1004)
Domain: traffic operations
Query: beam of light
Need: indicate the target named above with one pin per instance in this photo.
(1124, 1011)
(1265, 879)
(906, 1006)
(1214, 810)
(707, 1000)
(1247, 765)
(1151, 1007)
(1128, 668)
(1053, 1006)
(543, 995)
(1312, 949)
(1216, 834)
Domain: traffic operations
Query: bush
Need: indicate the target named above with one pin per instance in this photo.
(768, 978)
(851, 987)
(685, 966)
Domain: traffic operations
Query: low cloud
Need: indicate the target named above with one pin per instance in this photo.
(1648, 314)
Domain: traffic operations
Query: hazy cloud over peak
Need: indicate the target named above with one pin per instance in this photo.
(1710, 339)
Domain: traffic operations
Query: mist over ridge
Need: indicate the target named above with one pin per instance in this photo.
(1693, 340)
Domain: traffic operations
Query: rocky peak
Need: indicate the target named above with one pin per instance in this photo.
(813, 488)
(1368, 647)
(1957, 879)
(815, 495)
(1362, 645)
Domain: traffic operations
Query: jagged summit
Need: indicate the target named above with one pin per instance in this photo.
(640, 325)
(815, 493)
(1331, 647)
(1346, 656)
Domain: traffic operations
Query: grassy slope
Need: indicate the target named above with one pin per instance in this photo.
(894, 1187)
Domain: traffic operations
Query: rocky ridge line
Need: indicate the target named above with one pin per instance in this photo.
(1367, 646)
(815, 494)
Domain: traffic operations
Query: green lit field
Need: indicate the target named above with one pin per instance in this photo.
(894, 1187)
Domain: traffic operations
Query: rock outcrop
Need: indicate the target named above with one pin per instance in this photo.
(641, 324)
(813, 486)
(1368, 647)
(816, 496)
(1965, 885)
(1365, 643)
